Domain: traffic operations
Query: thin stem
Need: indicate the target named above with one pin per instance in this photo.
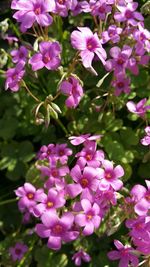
(95, 20)
(30, 93)
(72, 65)
(4, 202)
(58, 94)
(42, 32)
(100, 27)
(62, 126)
(35, 31)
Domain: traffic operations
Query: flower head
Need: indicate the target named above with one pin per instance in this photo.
(146, 140)
(14, 77)
(73, 90)
(56, 229)
(33, 11)
(90, 218)
(128, 13)
(29, 196)
(109, 176)
(49, 56)
(17, 252)
(89, 45)
(19, 54)
(139, 108)
(79, 256)
(125, 254)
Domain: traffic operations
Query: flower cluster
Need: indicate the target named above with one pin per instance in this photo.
(130, 41)
(137, 207)
(92, 185)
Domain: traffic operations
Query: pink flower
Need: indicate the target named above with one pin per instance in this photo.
(17, 252)
(120, 59)
(47, 152)
(90, 218)
(62, 153)
(101, 8)
(141, 196)
(128, 13)
(140, 227)
(52, 201)
(90, 156)
(86, 179)
(49, 56)
(83, 138)
(33, 11)
(29, 196)
(139, 108)
(121, 84)
(63, 6)
(89, 45)
(19, 54)
(14, 77)
(79, 256)
(112, 34)
(146, 140)
(109, 176)
(125, 254)
(56, 174)
(56, 229)
(73, 89)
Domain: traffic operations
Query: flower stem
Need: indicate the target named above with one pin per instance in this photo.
(30, 93)
(8, 201)
(62, 126)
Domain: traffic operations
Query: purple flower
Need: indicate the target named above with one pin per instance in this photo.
(133, 62)
(105, 199)
(56, 174)
(125, 254)
(49, 56)
(57, 229)
(29, 196)
(127, 13)
(52, 201)
(90, 156)
(121, 84)
(146, 140)
(109, 176)
(62, 152)
(139, 108)
(140, 227)
(120, 59)
(46, 152)
(10, 39)
(17, 252)
(83, 138)
(73, 90)
(79, 256)
(142, 36)
(83, 180)
(33, 11)
(88, 44)
(19, 55)
(141, 196)
(90, 218)
(112, 34)
(143, 243)
(63, 6)
(14, 77)
(101, 8)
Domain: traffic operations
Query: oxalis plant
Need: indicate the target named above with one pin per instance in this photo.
(75, 133)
